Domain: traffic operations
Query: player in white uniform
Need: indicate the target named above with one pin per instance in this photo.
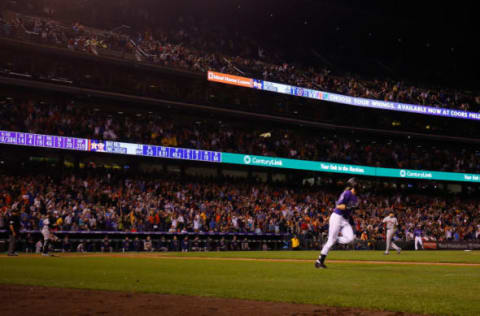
(47, 235)
(392, 223)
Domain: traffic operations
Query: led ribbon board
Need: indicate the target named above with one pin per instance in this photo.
(338, 98)
(112, 147)
(320, 166)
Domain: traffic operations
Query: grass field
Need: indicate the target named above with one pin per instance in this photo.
(291, 277)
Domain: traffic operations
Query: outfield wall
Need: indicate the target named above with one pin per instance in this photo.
(162, 241)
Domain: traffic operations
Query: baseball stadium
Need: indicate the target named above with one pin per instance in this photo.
(239, 158)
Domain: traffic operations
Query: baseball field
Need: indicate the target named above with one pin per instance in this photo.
(219, 283)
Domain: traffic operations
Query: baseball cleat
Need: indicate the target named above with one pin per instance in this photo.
(399, 250)
(319, 264)
(385, 253)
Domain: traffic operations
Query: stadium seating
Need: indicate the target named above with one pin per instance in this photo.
(105, 200)
(179, 49)
(69, 118)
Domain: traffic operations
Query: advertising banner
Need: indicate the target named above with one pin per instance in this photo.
(113, 147)
(263, 161)
(230, 79)
(460, 245)
(427, 175)
(429, 245)
(339, 98)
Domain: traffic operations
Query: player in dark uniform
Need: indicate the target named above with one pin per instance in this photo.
(418, 237)
(13, 232)
(340, 221)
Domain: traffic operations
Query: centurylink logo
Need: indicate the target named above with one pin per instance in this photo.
(247, 160)
(403, 173)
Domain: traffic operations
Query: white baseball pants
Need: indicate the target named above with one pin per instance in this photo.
(390, 233)
(337, 224)
(418, 240)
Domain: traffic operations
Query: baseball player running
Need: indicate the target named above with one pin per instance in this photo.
(47, 235)
(340, 221)
(392, 223)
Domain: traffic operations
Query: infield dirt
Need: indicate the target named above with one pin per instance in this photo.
(33, 300)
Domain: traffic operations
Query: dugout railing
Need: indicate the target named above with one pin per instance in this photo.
(94, 241)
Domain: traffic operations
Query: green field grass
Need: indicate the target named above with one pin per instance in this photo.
(428, 289)
(410, 256)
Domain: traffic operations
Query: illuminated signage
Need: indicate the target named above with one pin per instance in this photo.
(113, 147)
(339, 98)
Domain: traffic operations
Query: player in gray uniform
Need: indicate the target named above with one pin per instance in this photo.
(391, 223)
(47, 235)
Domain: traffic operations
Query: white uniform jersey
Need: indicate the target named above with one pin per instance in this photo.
(391, 222)
(45, 228)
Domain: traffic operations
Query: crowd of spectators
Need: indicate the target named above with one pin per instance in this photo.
(101, 201)
(69, 118)
(188, 48)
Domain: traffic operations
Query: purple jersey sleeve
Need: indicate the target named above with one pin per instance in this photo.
(350, 201)
(344, 197)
